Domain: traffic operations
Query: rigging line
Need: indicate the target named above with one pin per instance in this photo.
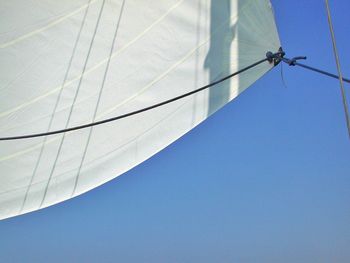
(282, 76)
(99, 97)
(73, 102)
(123, 102)
(56, 105)
(336, 55)
(293, 62)
(126, 115)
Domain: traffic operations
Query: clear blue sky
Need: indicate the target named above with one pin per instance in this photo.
(266, 179)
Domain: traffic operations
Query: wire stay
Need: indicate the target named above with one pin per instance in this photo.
(337, 60)
(280, 57)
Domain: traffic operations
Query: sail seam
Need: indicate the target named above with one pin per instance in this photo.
(73, 102)
(99, 97)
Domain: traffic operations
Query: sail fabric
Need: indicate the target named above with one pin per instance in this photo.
(66, 63)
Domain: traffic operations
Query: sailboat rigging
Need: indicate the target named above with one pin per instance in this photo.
(70, 71)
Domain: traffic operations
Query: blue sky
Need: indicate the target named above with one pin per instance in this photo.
(266, 179)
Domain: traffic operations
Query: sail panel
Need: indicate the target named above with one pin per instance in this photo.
(68, 63)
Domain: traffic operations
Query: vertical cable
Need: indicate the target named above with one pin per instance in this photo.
(336, 55)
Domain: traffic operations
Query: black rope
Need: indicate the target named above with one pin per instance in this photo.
(126, 115)
(293, 62)
(279, 56)
(275, 58)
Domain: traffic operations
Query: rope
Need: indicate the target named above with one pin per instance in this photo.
(336, 55)
(123, 116)
(279, 56)
(282, 77)
(293, 62)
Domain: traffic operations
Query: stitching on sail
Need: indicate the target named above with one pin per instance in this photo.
(53, 23)
(74, 100)
(128, 99)
(25, 104)
(99, 97)
(55, 107)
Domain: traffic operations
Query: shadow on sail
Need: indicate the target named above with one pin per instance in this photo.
(218, 58)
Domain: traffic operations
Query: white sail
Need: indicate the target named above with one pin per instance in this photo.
(66, 63)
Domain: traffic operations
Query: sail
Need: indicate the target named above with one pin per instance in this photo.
(66, 63)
